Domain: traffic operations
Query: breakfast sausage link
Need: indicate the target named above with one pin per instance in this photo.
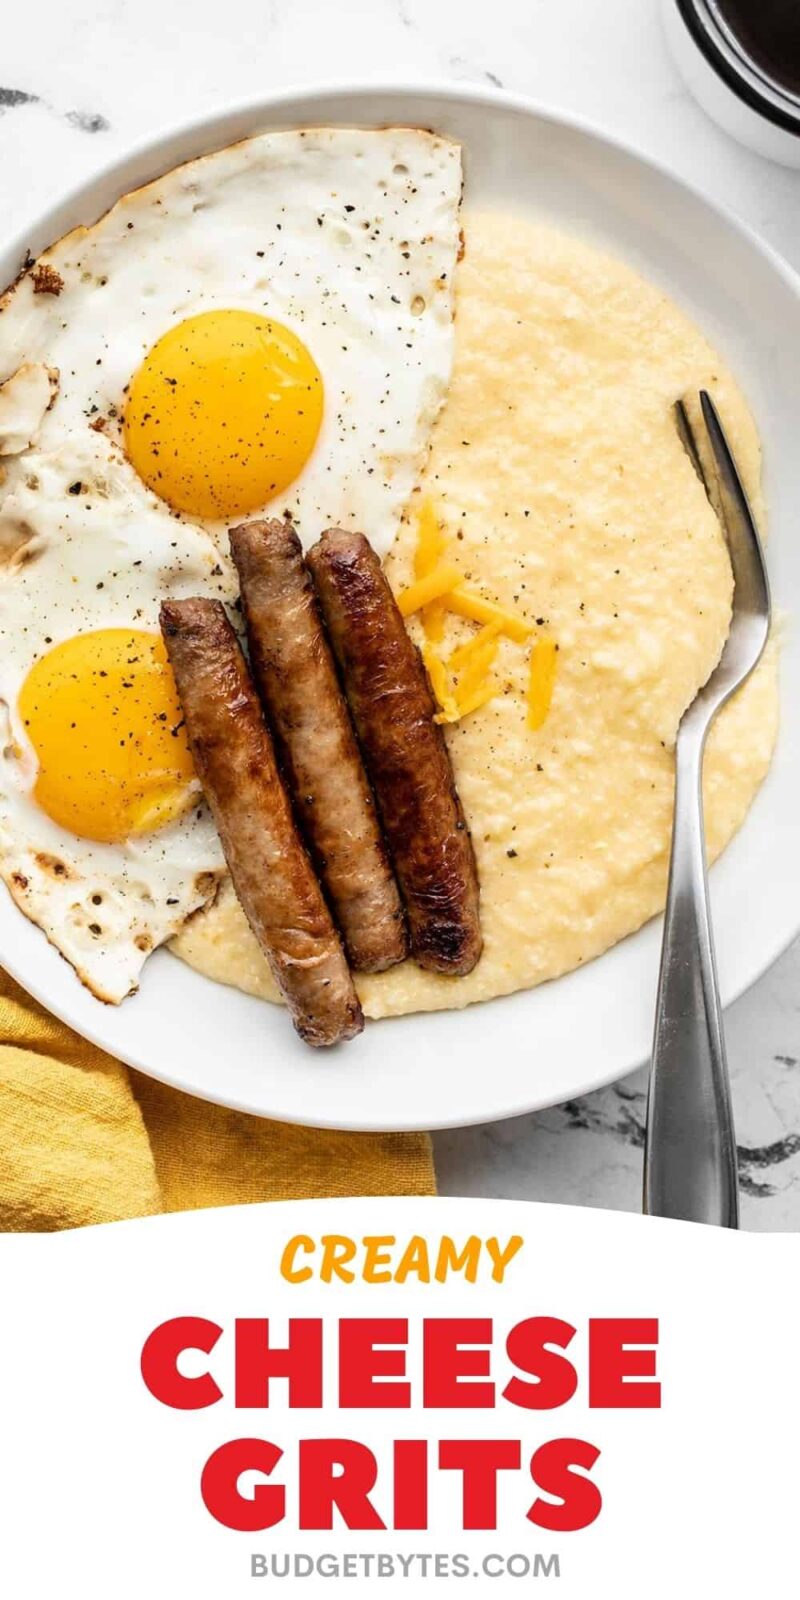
(404, 750)
(271, 872)
(296, 677)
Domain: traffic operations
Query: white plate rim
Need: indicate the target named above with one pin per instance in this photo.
(206, 133)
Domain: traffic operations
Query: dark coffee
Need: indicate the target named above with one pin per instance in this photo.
(768, 32)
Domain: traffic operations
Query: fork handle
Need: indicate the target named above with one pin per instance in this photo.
(690, 1169)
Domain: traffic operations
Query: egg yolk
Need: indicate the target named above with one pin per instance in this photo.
(102, 713)
(223, 413)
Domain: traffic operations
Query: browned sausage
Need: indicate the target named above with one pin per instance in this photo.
(271, 872)
(404, 749)
(295, 674)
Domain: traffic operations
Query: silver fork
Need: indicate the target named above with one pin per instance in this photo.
(690, 1166)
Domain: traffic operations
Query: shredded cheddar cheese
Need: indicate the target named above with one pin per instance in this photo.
(433, 586)
(431, 545)
(464, 603)
(430, 541)
(479, 696)
(433, 621)
(464, 682)
(440, 683)
(473, 659)
(541, 681)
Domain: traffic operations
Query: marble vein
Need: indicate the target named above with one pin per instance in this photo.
(85, 121)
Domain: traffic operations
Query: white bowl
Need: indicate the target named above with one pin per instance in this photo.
(533, 1049)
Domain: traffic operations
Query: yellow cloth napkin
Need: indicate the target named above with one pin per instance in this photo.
(83, 1139)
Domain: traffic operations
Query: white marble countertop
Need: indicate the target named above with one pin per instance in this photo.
(82, 79)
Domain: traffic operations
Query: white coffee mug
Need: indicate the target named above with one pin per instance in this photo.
(740, 95)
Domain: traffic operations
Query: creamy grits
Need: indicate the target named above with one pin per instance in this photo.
(558, 476)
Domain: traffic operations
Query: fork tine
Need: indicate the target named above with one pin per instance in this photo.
(741, 533)
(703, 437)
(692, 426)
(687, 438)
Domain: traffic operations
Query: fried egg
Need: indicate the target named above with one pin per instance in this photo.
(105, 841)
(267, 326)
